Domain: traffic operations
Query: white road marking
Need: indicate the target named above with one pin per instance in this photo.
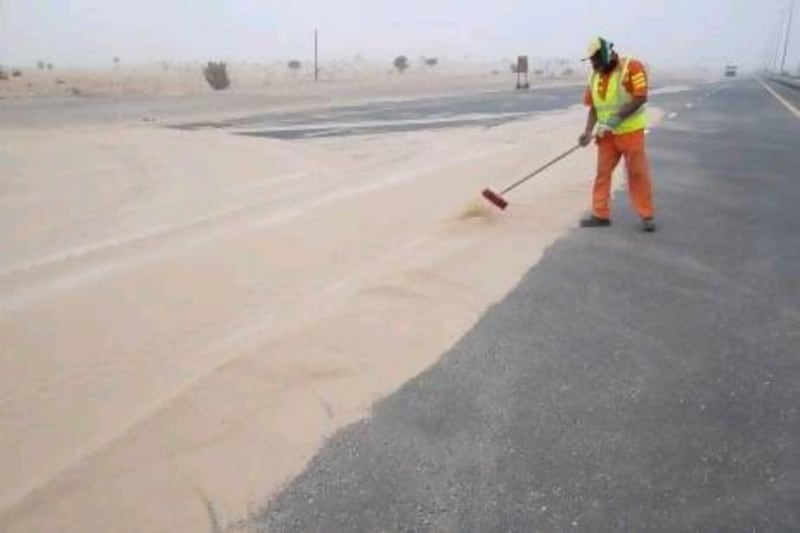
(781, 99)
(671, 89)
(473, 117)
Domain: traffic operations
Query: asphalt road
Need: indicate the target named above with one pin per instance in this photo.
(631, 382)
(789, 93)
(486, 109)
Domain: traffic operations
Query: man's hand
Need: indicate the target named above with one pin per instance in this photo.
(609, 125)
(585, 139)
(603, 130)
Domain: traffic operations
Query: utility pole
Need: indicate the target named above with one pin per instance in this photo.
(316, 57)
(788, 36)
(776, 50)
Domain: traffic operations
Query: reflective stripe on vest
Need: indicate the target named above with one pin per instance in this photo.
(615, 98)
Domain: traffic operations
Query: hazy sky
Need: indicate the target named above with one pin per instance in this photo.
(678, 32)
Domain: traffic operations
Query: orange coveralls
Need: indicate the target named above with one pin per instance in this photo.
(631, 146)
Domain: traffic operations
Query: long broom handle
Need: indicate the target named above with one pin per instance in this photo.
(541, 169)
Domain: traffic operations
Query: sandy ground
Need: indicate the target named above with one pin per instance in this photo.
(341, 80)
(185, 316)
(77, 98)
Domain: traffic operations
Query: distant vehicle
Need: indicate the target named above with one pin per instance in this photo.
(730, 71)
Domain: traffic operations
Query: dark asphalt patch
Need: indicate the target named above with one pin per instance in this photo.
(305, 133)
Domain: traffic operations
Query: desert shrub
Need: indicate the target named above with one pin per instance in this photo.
(216, 74)
(400, 63)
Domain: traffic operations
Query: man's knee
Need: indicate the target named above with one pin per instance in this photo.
(637, 164)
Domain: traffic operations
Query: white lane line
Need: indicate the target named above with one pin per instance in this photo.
(671, 116)
(671, 89)
(781, 99)
(472, 117)
(689, 105)
(320, 133)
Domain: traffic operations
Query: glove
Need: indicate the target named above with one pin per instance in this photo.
(602, 129)
(609, 125)
(613, 122)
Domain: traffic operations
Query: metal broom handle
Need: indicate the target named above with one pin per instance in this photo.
(541, 169)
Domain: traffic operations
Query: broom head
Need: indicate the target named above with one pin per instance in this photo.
(494, 198)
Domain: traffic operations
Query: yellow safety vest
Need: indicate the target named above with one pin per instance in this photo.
(616, 97)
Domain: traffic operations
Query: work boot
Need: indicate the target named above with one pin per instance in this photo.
(595, 222)
(648, 225)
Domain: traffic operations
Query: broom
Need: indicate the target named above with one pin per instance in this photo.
(499, 201)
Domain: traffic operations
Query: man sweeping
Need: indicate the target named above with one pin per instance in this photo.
(616, 98)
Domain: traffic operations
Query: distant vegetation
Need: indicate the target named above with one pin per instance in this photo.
(295, 65)
(400, 63)
(216, 74)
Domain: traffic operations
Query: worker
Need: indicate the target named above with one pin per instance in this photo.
(616, 98)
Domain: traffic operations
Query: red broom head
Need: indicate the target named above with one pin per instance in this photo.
(495, 198)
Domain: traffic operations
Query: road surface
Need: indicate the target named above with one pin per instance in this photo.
(488, 109)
